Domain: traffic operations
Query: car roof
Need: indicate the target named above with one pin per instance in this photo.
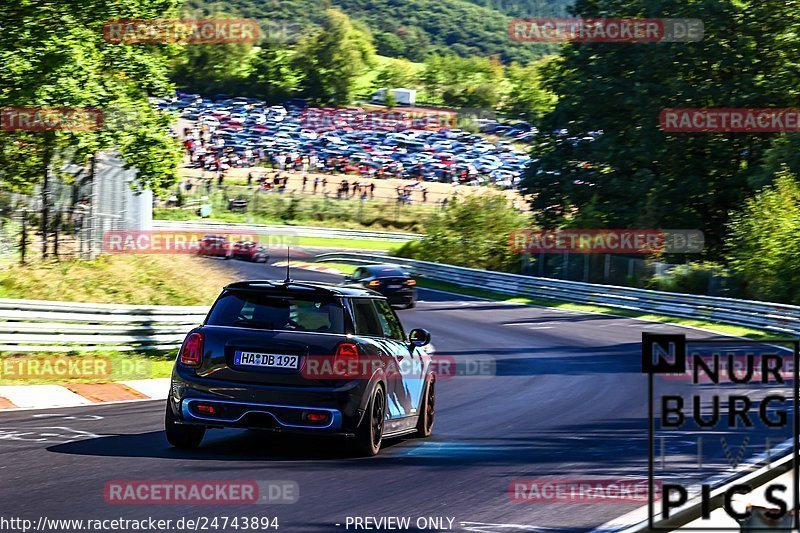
(385, 268)
(303, 288)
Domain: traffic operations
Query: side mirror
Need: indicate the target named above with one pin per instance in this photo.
(348, 278)
(419, 337)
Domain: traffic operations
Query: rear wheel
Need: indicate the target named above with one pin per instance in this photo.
(186, 437)
(411, 304)
(370, 433)
(425, 421)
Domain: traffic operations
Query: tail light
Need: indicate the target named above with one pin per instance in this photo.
(315, 417)
(192, 350)
(208, 409)
(346, 354)
(375, 283)
(411, 282)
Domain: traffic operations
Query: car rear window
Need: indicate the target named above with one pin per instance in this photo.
(387, 272)
(258, 310)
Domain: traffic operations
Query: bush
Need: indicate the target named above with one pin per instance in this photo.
(472, 231)
(764, 243)
(694, 278)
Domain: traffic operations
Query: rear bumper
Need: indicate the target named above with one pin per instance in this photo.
(265, 407)
(401, 296)
(259, 416)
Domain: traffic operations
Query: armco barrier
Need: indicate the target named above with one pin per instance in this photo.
(296, 231)
(760, 315)
(45, 326)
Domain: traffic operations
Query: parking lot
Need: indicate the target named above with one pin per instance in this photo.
(245, 132)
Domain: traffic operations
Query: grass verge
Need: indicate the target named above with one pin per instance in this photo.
(725, 329)
(120, 279)
(97, 367)
(356, 244)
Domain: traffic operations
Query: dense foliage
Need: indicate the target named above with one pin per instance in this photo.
(634, 174)
(471, 231)
(54, 55)
(764, 246)
(413, 28)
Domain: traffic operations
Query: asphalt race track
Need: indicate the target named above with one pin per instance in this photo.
(568, 399)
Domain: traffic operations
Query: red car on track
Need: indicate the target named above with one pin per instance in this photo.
(250, 251)
(215, 246)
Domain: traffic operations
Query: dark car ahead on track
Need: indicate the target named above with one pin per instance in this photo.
(250, 251)
(397, 286)
(306, 358)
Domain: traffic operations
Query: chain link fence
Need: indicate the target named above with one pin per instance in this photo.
(82, 204)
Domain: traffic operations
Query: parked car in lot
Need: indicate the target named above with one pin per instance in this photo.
(257, 362)
(397, 286)
(381, 143)
(215, 246)
(250, 251)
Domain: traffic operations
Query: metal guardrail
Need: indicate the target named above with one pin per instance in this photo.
(45, 326)
(287, 231)
(760, 315)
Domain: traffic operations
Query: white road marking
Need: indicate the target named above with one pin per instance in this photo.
(42, 396)
(156, 389)
(37, 435)
(79, 417)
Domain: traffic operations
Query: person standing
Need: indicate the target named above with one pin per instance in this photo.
(305, 180)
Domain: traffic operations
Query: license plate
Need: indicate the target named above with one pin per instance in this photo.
(393, 286)
(266, 360)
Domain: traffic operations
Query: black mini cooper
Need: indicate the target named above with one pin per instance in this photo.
(305, 358)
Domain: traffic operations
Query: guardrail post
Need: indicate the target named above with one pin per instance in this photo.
(23, 239)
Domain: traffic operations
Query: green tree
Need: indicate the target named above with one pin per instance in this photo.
(333, 59)
(525, 97)
(273, 74)
(53, 54)
(396, 73)
(463, 81)
(472, 231)
(764, 243)
(635, 174)
(209, 68)
(784, 151)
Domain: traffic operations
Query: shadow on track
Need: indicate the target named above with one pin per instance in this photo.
(604, 448)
